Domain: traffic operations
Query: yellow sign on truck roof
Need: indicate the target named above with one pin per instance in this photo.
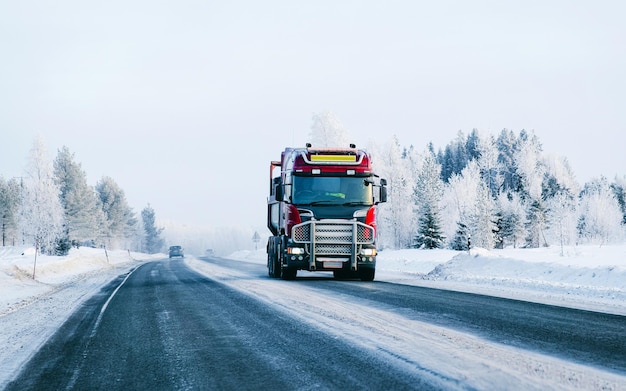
(333, 158)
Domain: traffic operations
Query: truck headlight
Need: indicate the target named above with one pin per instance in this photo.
(368, 252)
(295, 250)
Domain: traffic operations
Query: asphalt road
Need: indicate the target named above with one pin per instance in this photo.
(168, 328)
(165, 327)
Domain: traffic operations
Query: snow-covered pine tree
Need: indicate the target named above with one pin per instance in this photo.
(506, 143)
(153, 243)
(490, 167)
(83, 216)
(511, 226)
(427, 191)
(10, 196)
(42, 213)
(536, 224)
(120, 221)
(529, 166)
(482, 220)
(461, 240)
(429, 233)
(619, 189)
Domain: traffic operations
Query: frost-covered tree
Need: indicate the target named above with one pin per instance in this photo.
(153, 243)
(600, 218)
(455, 156)
(462, 238)
(428, 190)
(429, 233)
(42, 213)
(10, 196)
(84, 218)
(529, 165)
(469, 203)
(559, 177)
(511, 224)
(619, 189)
(487, 159)
(507, 145)
(120, 221)
(397, 216)
(328, 132)
(536, 224)
(562, 215)
(482, 221)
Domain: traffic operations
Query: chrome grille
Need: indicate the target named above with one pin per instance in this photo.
(301, 233)
(332, 232)
(333, 249)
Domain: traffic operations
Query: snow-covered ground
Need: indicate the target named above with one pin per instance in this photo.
(589, 277)
(586, 277)
(31, 310)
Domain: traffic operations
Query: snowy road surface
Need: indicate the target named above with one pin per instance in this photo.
(168, 327)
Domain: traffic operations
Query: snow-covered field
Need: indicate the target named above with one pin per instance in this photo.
(589, 277)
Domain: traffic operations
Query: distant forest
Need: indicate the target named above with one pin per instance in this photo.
(489, 191)
(493, 191)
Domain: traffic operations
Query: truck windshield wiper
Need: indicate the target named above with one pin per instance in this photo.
(356, 203)
(320, 202)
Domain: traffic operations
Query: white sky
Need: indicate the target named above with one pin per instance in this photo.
(184, 103)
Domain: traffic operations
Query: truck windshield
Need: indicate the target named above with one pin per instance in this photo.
(331, 191)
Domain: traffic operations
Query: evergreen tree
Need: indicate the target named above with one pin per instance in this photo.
(427, 193)
(536, 224)
(83, 216)
(487, 158)
(462, 239)
(511, 223)
(153, 243)
(473, 146)
(429, 234)
(10, 196)
(619, 190)
(529, 166)
(482, 219)
(120, 222)
(507, 147)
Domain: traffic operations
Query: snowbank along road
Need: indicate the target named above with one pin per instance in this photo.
(218, 324)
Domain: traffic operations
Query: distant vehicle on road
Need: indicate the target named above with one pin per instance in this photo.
(176, 251)
(210, 252)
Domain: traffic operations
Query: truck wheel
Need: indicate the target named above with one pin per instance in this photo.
(289, 273)
(367, 274)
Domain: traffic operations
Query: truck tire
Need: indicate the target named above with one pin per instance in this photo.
(367, 274)
(273, 266)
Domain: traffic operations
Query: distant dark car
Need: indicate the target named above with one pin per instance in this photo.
(176, 251)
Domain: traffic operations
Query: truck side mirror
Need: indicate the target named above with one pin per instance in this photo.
(280, 193)
(383, 194)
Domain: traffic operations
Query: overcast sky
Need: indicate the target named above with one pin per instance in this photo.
(184, 103)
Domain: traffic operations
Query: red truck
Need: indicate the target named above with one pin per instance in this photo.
(321, 212)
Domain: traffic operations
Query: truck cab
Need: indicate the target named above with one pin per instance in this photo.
(322, 213)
